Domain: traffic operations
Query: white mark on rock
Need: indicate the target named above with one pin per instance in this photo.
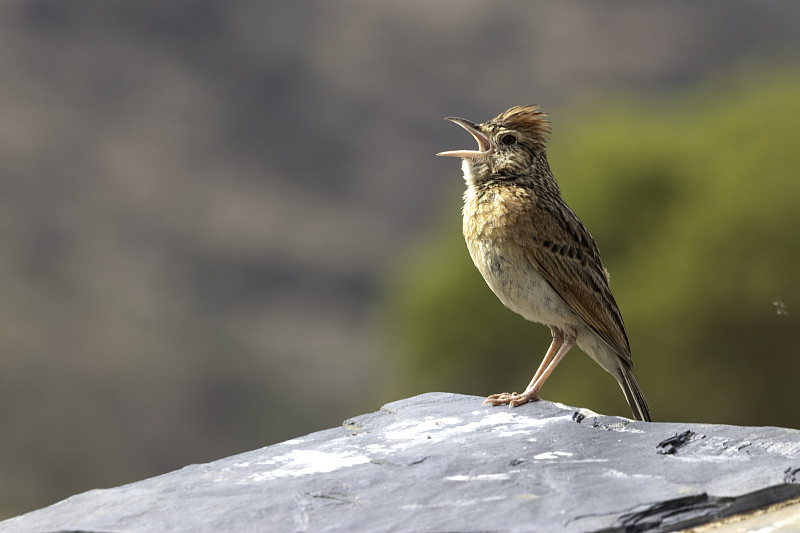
(480, 477)
(452, 503)
(377, 448)
(305, 462)
(411, 429)
(621, 428)
(502, 423)
(583, 410)
(707, 458)
(787, 449)
(511, 433)
(520, 421)
(552, 455)
(619, 474)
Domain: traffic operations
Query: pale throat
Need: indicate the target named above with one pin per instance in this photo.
(468, 168)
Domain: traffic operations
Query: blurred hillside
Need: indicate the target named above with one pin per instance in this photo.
(200, 200)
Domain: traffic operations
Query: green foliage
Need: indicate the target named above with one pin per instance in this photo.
(696, 208)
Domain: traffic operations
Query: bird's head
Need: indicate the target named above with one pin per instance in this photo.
(510, 146)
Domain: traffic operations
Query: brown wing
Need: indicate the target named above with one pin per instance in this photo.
(569, 260)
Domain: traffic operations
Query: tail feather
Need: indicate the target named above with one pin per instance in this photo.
(633, 393)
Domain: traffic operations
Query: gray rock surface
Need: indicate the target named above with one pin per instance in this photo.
(442, 462)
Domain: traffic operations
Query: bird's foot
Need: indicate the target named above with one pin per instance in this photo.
(512, 399)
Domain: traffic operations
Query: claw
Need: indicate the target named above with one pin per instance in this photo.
(511, 399)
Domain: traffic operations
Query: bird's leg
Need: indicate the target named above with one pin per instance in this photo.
(505, 397)
(558, 339)
(562, 343)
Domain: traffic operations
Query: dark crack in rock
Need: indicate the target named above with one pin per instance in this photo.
(673, 444)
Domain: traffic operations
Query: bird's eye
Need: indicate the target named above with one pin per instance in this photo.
(508, 139)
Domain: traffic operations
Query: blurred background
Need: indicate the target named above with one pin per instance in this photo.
(222, 224)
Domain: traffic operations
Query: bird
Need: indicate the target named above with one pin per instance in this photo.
(535, 253)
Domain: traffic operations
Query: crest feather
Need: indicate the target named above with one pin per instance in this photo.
(531, 120)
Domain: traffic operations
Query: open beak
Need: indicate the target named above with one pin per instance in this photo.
(484, 146)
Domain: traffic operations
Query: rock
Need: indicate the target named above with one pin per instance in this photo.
(443, 462)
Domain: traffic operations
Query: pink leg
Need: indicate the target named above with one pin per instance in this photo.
(562, 343)
(558, 339)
